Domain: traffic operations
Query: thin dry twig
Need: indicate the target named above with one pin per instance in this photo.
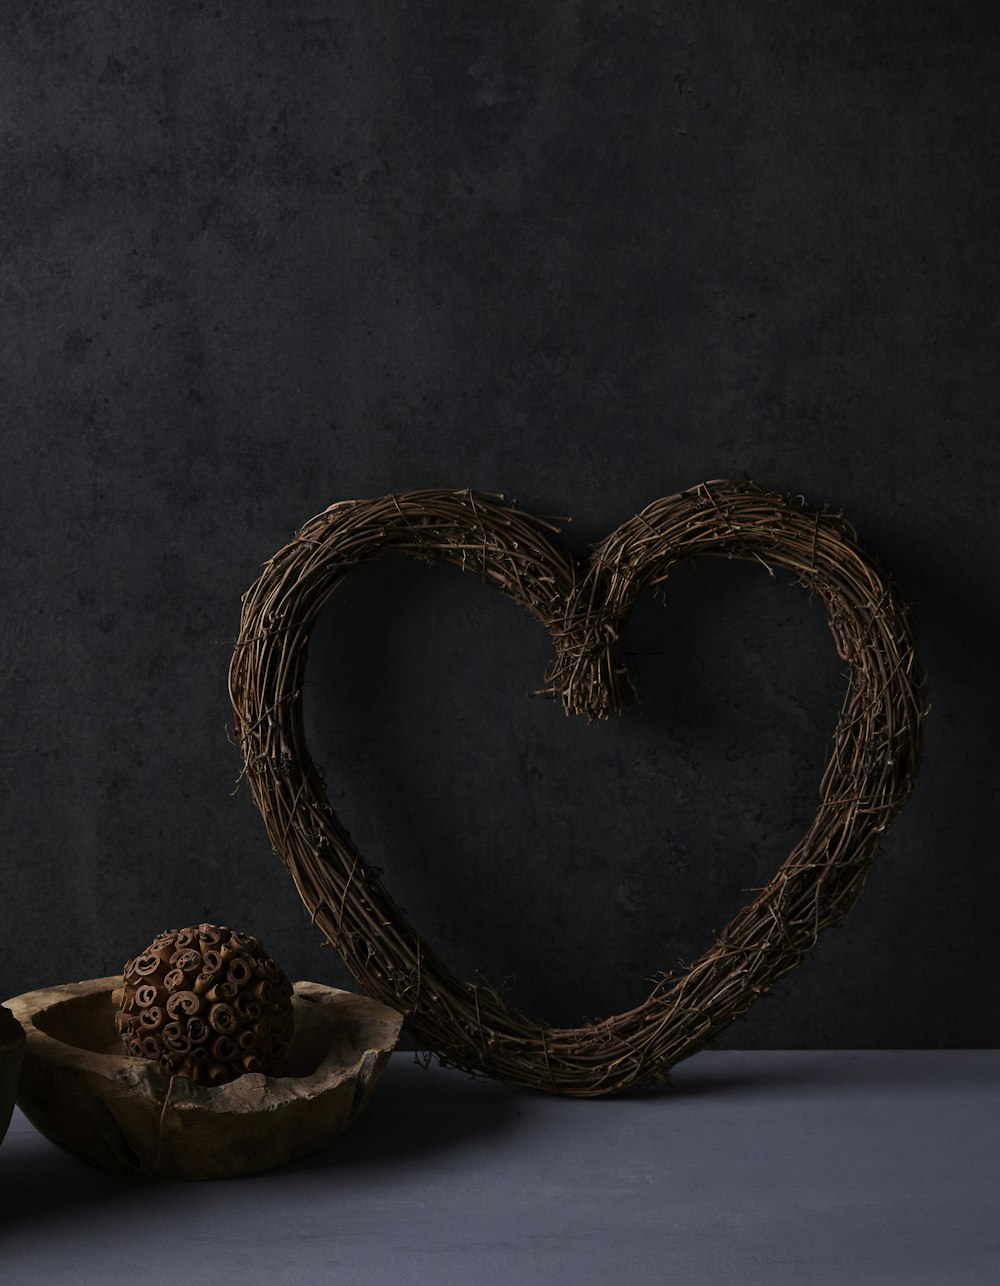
(875, 754)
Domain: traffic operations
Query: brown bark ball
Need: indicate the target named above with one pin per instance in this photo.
(207, 1002)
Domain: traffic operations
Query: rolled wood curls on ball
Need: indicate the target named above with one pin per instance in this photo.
(207, 1002)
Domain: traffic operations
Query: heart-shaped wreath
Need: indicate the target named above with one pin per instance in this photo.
(868, 777)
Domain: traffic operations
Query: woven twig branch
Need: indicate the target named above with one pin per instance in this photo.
(874, 758)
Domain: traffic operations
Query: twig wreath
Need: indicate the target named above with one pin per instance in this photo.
(875, 754)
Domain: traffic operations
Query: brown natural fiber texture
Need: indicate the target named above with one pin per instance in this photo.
(869, 775)
(206, 1002)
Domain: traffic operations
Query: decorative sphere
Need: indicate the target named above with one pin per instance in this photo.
(207, 1002)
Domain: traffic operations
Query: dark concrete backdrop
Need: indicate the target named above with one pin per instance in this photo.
(258, 258)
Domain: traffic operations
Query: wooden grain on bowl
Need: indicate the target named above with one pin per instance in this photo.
(118, 1112)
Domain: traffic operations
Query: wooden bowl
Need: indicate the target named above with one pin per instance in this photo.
(82, 1091)
(11, 1055)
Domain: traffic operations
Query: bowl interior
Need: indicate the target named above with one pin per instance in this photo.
(87, 1022)
(324, 1031)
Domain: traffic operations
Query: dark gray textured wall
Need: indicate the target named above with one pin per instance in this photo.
(259, 258)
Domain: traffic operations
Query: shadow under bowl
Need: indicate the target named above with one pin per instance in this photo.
(11, 1056)
(80, 1089)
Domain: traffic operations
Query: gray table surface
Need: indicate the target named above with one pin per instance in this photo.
(766, 1167)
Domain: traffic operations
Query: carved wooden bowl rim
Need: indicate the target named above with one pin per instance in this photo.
(119, 1111)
